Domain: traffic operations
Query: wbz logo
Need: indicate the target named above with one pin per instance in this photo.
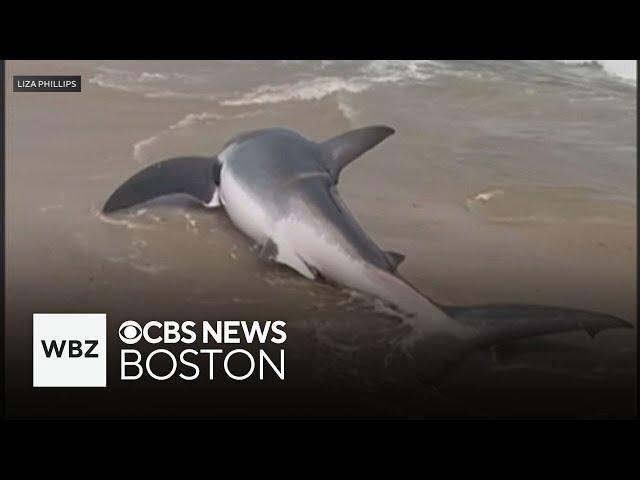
(75, 348)
(69, 350)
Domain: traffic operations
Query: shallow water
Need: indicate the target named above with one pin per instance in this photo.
(504, 182)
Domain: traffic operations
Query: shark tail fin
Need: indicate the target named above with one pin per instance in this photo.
(194, 176)
(489, 325)
(339, 151)
(494, 324)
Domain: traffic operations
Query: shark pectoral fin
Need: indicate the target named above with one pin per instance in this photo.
(269, 250)
(272, 251)
(194, 176)
(293, 260)
(494, 324)
(339, 151)
(395, 258)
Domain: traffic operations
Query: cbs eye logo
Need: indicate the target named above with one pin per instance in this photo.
(130, 332)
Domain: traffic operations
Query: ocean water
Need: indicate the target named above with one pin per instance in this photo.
(241, 82)
(578, 114)
(506, 181)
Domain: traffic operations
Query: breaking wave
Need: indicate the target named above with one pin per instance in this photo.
(376, 72)
(624, 69)
(313, 89)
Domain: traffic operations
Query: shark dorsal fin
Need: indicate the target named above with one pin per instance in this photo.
(339, 151)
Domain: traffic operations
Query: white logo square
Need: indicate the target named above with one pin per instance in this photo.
(69, 350)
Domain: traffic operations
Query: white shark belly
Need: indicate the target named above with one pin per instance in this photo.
(245, 210)
(252, 216)
(307, 246)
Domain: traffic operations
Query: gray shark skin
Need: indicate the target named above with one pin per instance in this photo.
(280, 189)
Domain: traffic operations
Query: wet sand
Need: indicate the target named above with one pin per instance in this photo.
(497, 195)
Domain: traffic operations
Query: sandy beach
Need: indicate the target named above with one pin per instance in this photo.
(498, 186)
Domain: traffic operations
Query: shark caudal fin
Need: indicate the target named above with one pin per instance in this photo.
(494, 324)
(339, 151)
(194, 176)
(437, 354)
